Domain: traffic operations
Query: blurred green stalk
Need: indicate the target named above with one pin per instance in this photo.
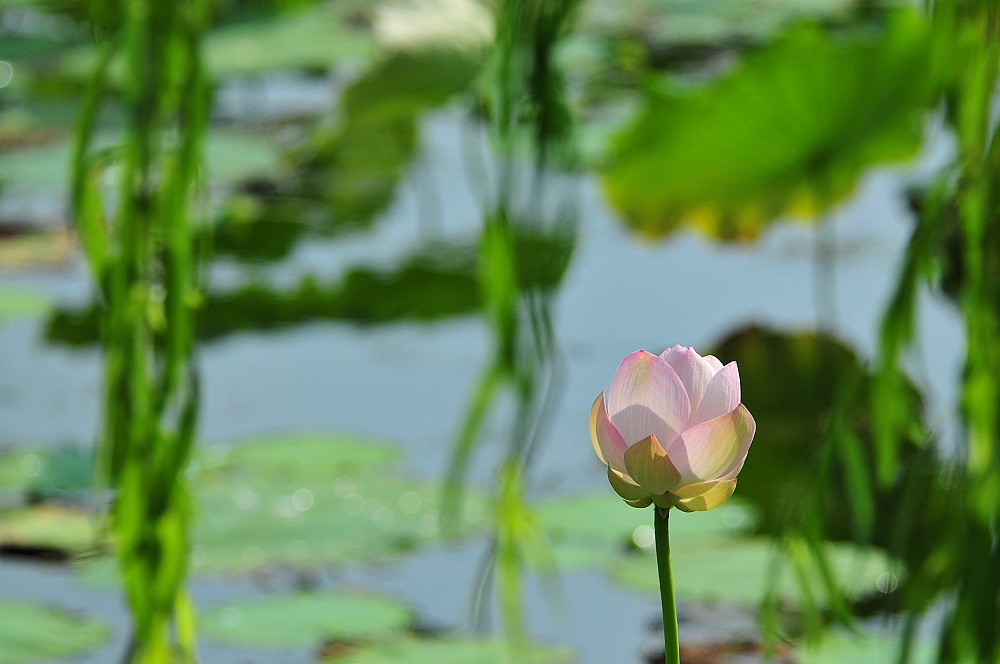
(139, 242)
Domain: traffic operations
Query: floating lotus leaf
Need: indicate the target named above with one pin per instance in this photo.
(789, 130)
(449, 651)
(32, 633)
(306, 619)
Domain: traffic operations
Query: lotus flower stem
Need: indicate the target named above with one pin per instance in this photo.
(671, 642)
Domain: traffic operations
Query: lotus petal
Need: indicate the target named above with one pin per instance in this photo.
(715, 496)
(695, 373)
(722, 395)
(647, 397)
(625, 487)
(649, 466)
(607, 440)
(710, 450)
(713, 362)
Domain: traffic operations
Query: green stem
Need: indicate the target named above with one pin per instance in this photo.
(671, 642)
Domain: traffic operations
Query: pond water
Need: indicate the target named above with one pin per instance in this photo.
(409, 383)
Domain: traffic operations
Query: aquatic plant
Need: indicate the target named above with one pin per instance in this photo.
(139, 242)
(691, 403)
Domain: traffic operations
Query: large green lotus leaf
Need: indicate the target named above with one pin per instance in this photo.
(17, 303)
(31, 633)
(594, 529)
(306, 618)
(789, 130)
(449, 651)
(736, 569)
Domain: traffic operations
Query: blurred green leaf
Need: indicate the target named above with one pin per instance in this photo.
(306, 501)
(47, 531)
(674, 24)
(735, 569)
(437, 281)
(306, 619)
(449, 650)
(47, 472)
(788, 131)
(594, 529)
(814, 457)
(839, 647)
(32, 633)
(314, 37)
(229, 155)
(249, 522)
(18, 303)
(355, 165)
(300, 456)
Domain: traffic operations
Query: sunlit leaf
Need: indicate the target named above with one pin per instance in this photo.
(32, 633)
(788, 131)
(448, 651)
(306, 619)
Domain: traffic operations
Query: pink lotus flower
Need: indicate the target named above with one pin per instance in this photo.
(673, 432)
